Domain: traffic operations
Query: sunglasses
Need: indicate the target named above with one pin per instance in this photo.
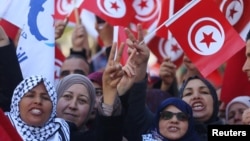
(166, 115)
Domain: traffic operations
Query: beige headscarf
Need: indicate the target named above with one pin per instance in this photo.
(71, 79)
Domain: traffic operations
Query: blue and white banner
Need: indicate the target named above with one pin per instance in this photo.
(35, 49)
(3, 7)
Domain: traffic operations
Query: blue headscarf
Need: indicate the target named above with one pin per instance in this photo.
(190, 135)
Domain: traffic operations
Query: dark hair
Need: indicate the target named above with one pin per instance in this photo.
(212, 90)
(248, 35)
(77, 56)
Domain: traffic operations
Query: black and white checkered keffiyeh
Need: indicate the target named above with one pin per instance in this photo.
(52, 126)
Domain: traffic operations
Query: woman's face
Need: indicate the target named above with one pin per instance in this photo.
(74, 104)
(35, 106)
(173, 127)
(199, 97)
(235, 112)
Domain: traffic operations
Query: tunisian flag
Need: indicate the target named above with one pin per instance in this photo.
(163, 48)
(236, 12)
(63, 8)
(235, 82)
(115, 12)
(205, 35)
(120, 36)
(147, 13)
(7, 130)
(168, 8)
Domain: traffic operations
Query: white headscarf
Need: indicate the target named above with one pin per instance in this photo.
(239, 99)
(52, 126)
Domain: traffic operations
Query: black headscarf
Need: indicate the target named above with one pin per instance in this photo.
(213, 92)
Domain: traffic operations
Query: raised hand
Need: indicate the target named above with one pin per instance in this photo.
(246, 117)
(142, 52)
(167, 73)
(4, 40)
(59, 28)
(105, 32)
(112, 75)
(191, 68)
(129, 75)
(80, 39)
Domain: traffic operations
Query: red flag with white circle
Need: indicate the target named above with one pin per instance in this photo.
(205, 35)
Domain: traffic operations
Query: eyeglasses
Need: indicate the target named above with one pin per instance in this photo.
(167, 115)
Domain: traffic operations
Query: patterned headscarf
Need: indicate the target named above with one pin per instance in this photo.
(34, 133)
(72, 79)
(155, 134)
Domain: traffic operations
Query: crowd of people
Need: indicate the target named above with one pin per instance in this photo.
(113, 102)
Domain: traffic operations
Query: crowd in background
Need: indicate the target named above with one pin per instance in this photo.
(97, 98)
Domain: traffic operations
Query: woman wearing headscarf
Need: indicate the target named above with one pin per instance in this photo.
(173, 121)
(235, 109)
(201, 95)
(76, 100)
(33, 111)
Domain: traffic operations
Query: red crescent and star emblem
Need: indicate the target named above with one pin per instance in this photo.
(146, 9)
(233, 10)
(206, 36)
(170, 48)
(112, 8)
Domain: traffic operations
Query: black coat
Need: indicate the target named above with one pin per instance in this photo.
(138, 117)
(105, 129)
(10, 75)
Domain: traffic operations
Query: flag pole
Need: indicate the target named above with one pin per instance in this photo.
(170, 19)
(115, 39)
(148, 36)
(76, 13)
